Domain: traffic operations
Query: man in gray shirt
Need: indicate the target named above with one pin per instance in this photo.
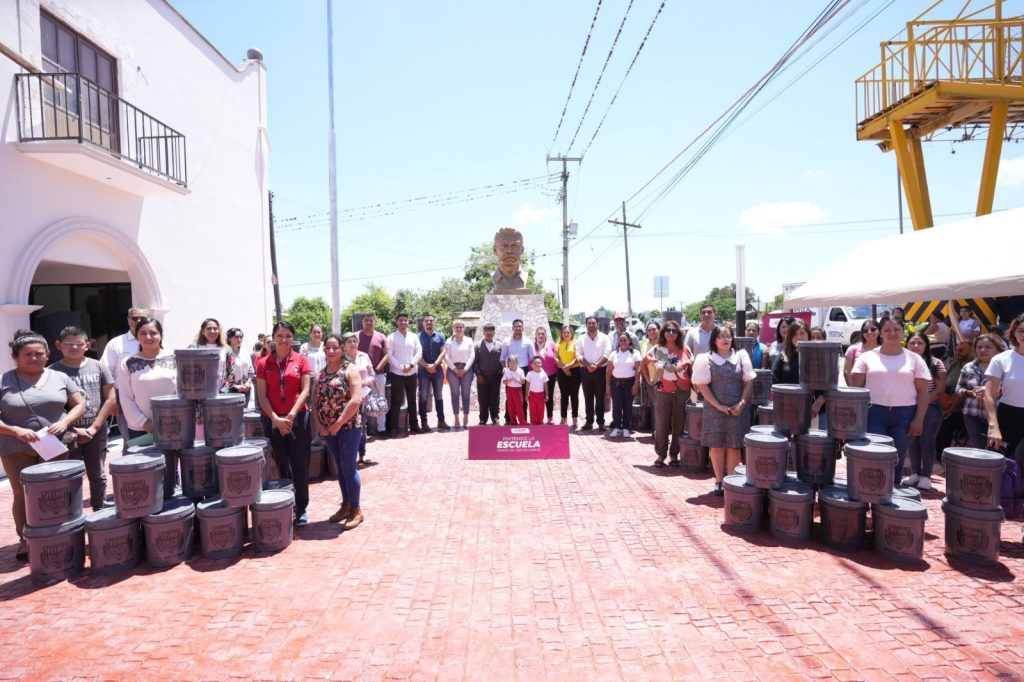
(698, 338)
(98, 386)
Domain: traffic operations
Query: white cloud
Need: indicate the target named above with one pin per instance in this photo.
(774, 218)
(1011, 172)
(528, 214)
(816, 173)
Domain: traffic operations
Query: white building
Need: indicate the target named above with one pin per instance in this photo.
(133, 169)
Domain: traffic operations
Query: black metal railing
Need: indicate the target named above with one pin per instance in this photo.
(68, 106)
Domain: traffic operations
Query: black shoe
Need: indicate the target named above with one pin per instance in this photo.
(600, 427)
(587, 426)
(22, 557)
(719, 490)
(659, 463)
(419, 429)
(391, 434)
(674, 463)
(442, 425)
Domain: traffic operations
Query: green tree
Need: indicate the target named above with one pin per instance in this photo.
(779, 302)
(305, 312)
(376, 300)
(724, 300)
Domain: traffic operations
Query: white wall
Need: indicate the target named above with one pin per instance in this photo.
(207, 250)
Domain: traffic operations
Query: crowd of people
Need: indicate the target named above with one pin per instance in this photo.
(317, 391)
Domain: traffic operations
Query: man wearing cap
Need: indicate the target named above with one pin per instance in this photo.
(488, 366)
(593, 350)
(620, 329)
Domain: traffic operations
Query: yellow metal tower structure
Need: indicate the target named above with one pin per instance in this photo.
(953, 73)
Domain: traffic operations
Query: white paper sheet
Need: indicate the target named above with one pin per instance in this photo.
(48, 446)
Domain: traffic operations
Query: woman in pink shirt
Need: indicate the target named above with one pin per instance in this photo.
(869, 340)
(546, 351)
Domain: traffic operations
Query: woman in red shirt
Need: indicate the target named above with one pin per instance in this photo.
(282, 387)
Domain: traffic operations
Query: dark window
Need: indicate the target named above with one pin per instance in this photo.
(837, 315)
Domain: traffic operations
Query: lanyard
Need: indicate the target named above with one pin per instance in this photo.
(280, 373)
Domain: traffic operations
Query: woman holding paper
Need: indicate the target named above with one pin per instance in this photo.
(32, 400)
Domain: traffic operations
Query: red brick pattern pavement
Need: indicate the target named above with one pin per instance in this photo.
(597, 567)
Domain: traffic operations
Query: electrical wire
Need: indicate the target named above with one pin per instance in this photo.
(575, 76)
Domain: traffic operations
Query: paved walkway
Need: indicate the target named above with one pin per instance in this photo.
(597, 567)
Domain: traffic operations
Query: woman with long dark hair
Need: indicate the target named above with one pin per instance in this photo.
(781, 329)
(149, 373)
(670, 364)
(922, 448)
(970, 388)
(282, 388)
(869, 340)
(337, 396)
(211, 335)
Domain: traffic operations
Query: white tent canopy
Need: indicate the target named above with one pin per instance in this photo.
(973, 258)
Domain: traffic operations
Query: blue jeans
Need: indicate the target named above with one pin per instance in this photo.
(461, 388)
(893, 422)
(622, 402)
(343, 447)
(437, 380)
(922, 448)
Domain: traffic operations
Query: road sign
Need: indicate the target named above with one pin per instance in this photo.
(661, 286)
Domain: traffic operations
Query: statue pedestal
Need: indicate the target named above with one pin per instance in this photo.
(501, 309)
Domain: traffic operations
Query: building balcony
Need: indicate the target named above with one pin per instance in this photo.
(68, 121)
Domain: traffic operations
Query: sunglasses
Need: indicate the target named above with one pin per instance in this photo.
(138, 318)
(671, 331)
(871, 329)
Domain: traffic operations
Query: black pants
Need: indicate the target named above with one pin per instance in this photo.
(488, 394)
(291, 453)
(594, 388)
(569, 387)
(947, 431)
(550, 402)
(1011, 426)
(402, 387)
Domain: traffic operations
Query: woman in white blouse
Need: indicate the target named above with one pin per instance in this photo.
(622, 385)
(459, 356)
(149, 373)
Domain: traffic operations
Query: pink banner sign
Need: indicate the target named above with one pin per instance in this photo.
(519, 442)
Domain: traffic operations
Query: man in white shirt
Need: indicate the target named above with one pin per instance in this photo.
(118, 348)
(593, 350)
(404, 353)
(697, 338)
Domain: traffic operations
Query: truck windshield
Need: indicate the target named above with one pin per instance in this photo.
(864, 311)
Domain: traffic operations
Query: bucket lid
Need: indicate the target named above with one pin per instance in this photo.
(907, 491)
(974, 458)
(224, 399)
(251, 415)
(840, 497)
(740, 470)
(766, 441)
(865, 449)
(132, 463)
(696, 407)
(973, 514)
(274, 499)
(762, 373)
(879, 439)
(738, 484)
(901, 507)
(196, 352)
(765, 409)
(762, 428)
(848, 393)
(278, 484)
(175, 509)
(53, 471)
(170, 402)
(197, 452)
(214, 507)
(792, 492)
(106, 519)
(49, 531)
(239, 454)
(143, 450)
(257, 442)
(816, 436)
(790, 389)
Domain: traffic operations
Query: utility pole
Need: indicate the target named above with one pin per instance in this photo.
(333, 190)
(273, 261)
(565, 227)
(625, 239)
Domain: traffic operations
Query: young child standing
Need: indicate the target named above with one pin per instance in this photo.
(514, 379)
(538, 381)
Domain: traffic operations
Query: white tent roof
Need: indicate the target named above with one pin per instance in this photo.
(976, 258)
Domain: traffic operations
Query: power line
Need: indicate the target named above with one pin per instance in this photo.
(601, 75)
(572, 86)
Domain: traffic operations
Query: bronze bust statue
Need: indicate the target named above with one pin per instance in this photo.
(508, 247)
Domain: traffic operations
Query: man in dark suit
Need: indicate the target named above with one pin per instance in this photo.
(488, 375)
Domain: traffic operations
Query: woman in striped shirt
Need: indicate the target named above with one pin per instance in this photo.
(971, 388)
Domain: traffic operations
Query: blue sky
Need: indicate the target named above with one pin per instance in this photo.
(432, 99)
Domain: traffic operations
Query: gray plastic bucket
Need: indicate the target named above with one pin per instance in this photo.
(240, 472)
(280, 484)
(56, 552)
(880, 439)
(973, 477)
(907, 491)
(692, 457)
(198, 372)
(198, 473)
(792, 409)
(762, 428)
(174, 422)
(221, 529)
(972, 533)
(169, 533)
(846, 412)
(317, 455)
(766, 415)
(53, 492)
(870, 470)
(741, 470)
(761, 390)
(269, 465)
(222, 420)
(151, 450)
(114, 543)
(138, 485)
(694, 417)
(791, 509)
(252, 424)
(272, 521)
(745, 343)
(744, 504)
(819, 364)
(843, 521)
(898, 528)
(766, 459)
(816, 458)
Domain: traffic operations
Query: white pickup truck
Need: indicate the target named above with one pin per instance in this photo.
(840, 322)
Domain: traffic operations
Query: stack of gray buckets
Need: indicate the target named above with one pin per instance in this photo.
(973, 516)
(54, 524)
(790, 464)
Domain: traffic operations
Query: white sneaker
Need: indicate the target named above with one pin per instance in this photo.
(625, 433)
(614, 433)
(924, 483)
(912, 479)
